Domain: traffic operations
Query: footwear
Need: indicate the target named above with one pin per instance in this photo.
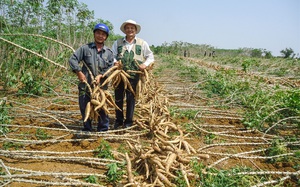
(128, 125)
(118, 125)
(87, 129)
(102, 128)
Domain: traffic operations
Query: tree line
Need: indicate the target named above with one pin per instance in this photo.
(71, 22)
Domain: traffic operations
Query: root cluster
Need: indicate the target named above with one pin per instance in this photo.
(100, 100)
(168, 150)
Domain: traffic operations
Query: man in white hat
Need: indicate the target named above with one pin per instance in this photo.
(129, 51)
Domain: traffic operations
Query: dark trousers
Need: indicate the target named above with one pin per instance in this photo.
(103, 119)
(130, 103)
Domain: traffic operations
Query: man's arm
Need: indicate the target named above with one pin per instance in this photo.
(148, 54)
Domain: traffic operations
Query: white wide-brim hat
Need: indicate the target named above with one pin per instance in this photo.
(138, 27)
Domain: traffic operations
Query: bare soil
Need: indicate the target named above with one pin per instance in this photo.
(46, 147)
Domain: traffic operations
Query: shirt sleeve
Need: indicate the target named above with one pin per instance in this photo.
(114, 49)
(148, 54)
(75, 59)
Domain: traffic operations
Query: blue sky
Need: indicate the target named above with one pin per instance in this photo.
(228, 24)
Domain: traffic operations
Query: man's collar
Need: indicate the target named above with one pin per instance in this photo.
(103, 48)
(93, 44)
(125, 41)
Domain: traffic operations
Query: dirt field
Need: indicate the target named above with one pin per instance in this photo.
(45, 146)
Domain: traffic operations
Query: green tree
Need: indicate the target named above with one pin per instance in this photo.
(267, 54)
(67, 21)
(287, 52)
(256, 53)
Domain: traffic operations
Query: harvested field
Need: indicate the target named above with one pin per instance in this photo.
(180, 137)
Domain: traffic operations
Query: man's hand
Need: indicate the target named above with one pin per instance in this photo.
(118, 64)
(97, 78)
(81, 76)
(142, 66)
